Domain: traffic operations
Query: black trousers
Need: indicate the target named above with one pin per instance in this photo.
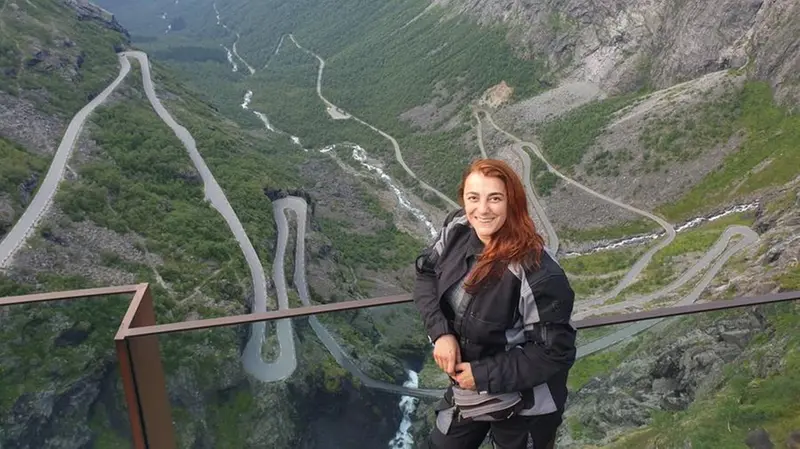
(511, 433)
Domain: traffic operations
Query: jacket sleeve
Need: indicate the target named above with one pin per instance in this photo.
(426, 295)
(549, 347)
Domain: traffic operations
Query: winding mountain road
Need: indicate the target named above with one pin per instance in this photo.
(644, 260)
(44, 195)
(537, 208)
(715, 254)
(299, 206)
(285, 364)
(479, 133)
(397, 153)
(711, 262)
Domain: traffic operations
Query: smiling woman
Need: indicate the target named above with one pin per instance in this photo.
(485, 204)
(497, 307)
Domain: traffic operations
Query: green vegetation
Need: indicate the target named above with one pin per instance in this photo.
(287, 94)
(626, 229)
(543, 181)
(456, 52)
(602, 262)
(54, 86)
(768, 156)
(599, 364)
(376, 69)
(587, 287)
(431, 376)
(682, 137)
(377, 339)
(397, 249)
(439, 158)
(105, 437)
(566, 138)
(230, 419)
(661, 270)
(18, 166)
(789, 199)
(747, 400)
(147, 186)
(606, 163)
(790, 280)
(190, 53)
(142, 184)
(51, 346)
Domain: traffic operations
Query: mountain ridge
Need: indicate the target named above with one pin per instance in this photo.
(355, 212)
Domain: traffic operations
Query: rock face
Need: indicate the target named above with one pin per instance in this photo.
(759, 439)
(20, 121)
(90, 11)
(622, 45)
(7, 214)
(667, 372)
(51, 419)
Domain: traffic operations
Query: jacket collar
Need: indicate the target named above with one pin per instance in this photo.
(474, 244)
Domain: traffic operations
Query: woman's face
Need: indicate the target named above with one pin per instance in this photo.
(485, 203)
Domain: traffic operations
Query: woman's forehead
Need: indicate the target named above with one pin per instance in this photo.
(477, 182)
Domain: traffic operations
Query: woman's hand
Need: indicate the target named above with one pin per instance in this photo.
(447, 353)
(464, 376)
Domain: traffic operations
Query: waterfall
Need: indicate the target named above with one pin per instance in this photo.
(403, 439)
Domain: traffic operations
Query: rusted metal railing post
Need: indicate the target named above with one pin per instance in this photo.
(143, 377)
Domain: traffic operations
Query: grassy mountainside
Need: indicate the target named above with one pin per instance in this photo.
(743, 381)
(131, 209)
(385, 61)
(411, 75)
(380, 63)
(57, 64)
(47, 65)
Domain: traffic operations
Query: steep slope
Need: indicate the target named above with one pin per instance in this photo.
(132, 209)
(718, 377)
(48, 70)
(411, 70)
(622, 45)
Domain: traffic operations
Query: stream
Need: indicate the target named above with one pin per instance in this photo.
(403, 439)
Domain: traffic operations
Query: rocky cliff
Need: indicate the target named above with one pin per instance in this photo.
(89, 11)
(623, 45)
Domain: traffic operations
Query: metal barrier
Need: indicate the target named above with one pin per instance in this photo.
(142, 372)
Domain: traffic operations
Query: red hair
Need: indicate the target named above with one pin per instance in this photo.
(517, 241)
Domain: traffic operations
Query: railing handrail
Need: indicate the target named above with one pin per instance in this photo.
(298, 312)
(142, 373)
(70, 294)
(668, 312)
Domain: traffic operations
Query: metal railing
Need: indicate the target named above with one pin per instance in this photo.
(139, 361)
(142, 373)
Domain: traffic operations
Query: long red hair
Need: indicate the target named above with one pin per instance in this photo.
(517, 241)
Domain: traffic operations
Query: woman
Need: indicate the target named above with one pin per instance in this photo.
(497, 308)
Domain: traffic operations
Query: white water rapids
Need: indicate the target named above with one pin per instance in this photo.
(248, 97)
(360, 155)
(688, 225)
(235, 67)
(403, 438)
